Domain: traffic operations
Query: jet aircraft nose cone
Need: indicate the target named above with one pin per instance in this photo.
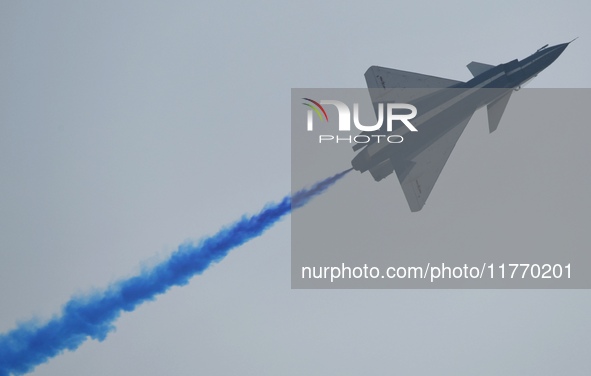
(561, 47)
(552, 53)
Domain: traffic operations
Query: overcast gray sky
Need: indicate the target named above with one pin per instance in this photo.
(129, 127)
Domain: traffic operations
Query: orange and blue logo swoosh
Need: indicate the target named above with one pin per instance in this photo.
(317, 107)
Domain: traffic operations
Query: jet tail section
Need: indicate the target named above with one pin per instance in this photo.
(496, 110)
(386, 78)
(477, 68)
(381, 80)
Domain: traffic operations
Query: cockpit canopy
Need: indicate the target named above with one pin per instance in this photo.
(541, 48)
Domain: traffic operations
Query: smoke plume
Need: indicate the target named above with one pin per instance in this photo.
(92, 316)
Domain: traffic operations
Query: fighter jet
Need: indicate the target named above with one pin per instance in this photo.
(444, 108)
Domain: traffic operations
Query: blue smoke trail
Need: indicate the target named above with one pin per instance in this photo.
(92, 316)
